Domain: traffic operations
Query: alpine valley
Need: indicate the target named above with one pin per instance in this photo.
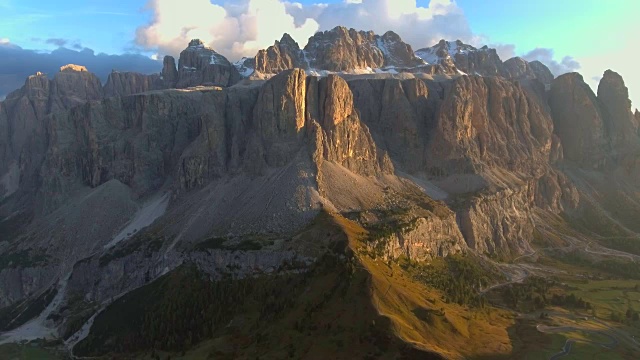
(351, 199)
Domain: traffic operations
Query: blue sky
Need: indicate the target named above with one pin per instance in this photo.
(597, 34)
(570, 27)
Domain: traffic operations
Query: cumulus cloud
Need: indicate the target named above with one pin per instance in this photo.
(235, 30)
(17, 63)
(545, 56)
(241, 28)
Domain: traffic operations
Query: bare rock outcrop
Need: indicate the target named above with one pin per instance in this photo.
(579, 121)
(129, 83)
(518, 68)
(169, 72)
(345, 139)
(489, 122)
(542, 73)
(280, 116)
(24, 144)
(499, 223)
(441, 55)
(399, 114)
(201, 65)
(283, 55)
(466, 58)
(422, 239)
(619, 120)
(342, 49)
(73, 86)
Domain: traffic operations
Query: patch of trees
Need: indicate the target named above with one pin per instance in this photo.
(460, 278)
(533, 291)
(570, 300)
(184, 308)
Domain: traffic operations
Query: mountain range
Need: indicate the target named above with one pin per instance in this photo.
(312, 171)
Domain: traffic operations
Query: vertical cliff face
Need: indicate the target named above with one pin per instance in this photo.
(399, 114)
(26, 111)
(169, 72)
(136, 140)
(346, 140)
(123, 84)
(489, 122)
(280, 116)
(620, 122)
(74, 86)
(579, 121)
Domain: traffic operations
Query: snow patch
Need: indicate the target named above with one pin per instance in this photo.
(151, 211)
(245, 71)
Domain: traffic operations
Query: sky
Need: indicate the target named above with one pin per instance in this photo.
(588, 36)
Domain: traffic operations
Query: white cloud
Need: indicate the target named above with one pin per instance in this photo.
(234, 30)
(546, 56)
(4, 41)
(246, 26)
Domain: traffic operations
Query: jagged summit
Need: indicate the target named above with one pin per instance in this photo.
(444, 49)
(204, 56)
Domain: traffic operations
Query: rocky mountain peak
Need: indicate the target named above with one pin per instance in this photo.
(620, 121)
(287, 40)
(443, 50)
(195, 43)
(542, 72)
(169, 72)
(342, 49)
(282, 55)
(72, 67)
(198, 55)
(201, 65)
(579, 121)
(439, 54)
(519, 69)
